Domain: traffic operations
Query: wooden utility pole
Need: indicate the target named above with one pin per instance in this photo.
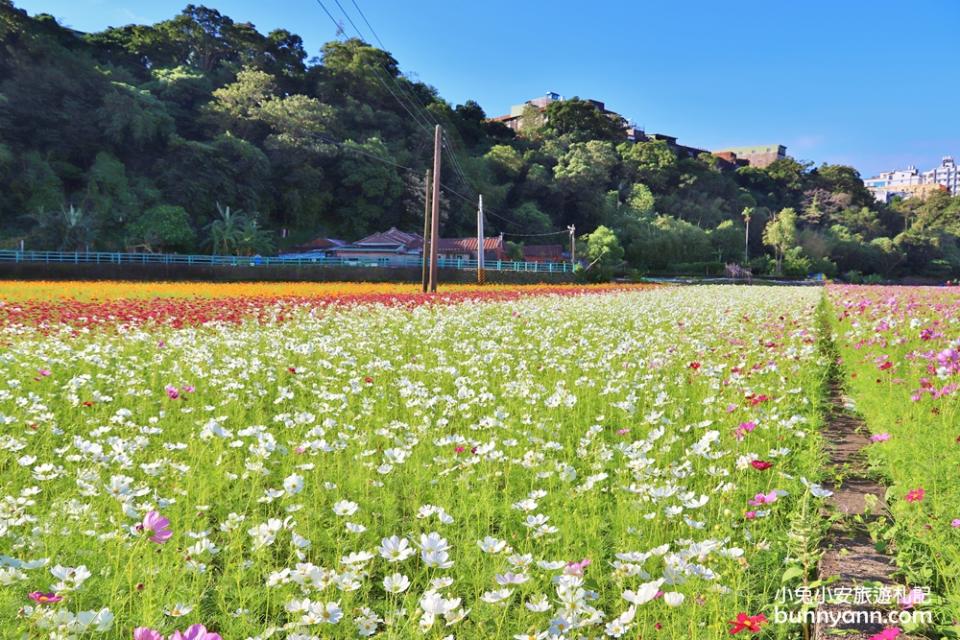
(481, 259)
(425, 274)
(573, 245)
(435, 207)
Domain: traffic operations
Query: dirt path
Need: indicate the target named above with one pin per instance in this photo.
(849, 552)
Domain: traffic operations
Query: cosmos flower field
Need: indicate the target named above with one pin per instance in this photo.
(901, 351)
(552, 462)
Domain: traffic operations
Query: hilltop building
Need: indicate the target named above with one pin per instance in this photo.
(519, 113)
(757, 156)
(912, 183)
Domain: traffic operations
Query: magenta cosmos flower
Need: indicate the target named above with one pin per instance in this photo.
(880, 437)
(763, 498)
(157, 526)
(196, 632)
(144, 633)
(915, 495)
(44, 598)
(172, 392)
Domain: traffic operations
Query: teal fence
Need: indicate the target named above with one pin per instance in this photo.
(104, 257)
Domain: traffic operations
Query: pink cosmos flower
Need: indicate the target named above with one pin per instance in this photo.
(44, 372)
(763, 498)
(196, 632)
(44, 598)
(576, 568)
(145, 633)
(880, 437)
(172, 392)
(750, 515)
(744, 428)
(731, 408)
(890, 633)
(915, 495)
(188, 388)
(158, 526)
(955, 523)
(622, 432)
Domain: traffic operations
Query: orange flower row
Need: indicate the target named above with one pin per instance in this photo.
(15, 290)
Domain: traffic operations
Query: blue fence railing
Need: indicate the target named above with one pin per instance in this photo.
(104, 257)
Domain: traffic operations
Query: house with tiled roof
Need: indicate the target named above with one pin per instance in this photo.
(388, 246)
(466, 248)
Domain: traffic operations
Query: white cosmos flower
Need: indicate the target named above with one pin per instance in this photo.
(293, 484)
(345, 508)
(396, 583)
(538, 603)
(178, 610)
(673, 598)
(644, 593)
(491, 545)
(329, 613)
(395, 549)
(493, 597)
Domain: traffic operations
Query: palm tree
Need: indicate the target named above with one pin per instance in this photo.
(69, 229)
(251, 239)
(225, 231)
(747, 214)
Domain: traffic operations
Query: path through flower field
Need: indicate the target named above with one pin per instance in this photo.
(539, 463)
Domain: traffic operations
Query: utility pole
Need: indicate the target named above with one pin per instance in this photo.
(573, 245)
(425, 274)
(435, 208)
(481, 259)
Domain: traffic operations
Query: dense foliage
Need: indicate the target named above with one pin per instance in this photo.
(201, 133)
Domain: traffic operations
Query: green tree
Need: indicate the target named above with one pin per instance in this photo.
(604, 254)
(781, 234)
(224, 233)
(162, 228)
(581, 120)
(69, 228)
(727, 241)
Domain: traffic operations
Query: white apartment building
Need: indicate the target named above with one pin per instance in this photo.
(898, 178)
(911, 182)
(946, 175)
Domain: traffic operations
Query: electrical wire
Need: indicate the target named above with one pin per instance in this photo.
(419, 115)
(425, 123)
(369, 26)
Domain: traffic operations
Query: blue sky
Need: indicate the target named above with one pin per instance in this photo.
(867, 83)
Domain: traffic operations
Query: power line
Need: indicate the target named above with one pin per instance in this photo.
(349, 19)
(355, 149)
(332, 19)
(423, 124)
(536, 235)
(419, 115)
(411, 99)
(450, 190)
(360, 11)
